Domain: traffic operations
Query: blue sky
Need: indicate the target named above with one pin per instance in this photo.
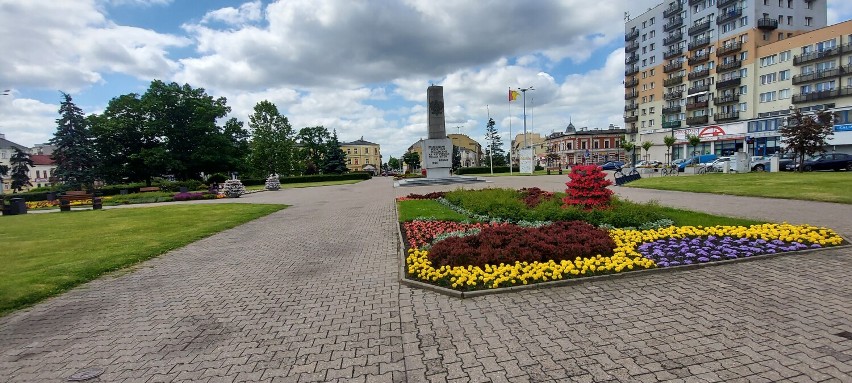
(361, 68)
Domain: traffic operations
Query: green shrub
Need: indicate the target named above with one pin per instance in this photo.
(217, 178)
(486, 170)
(323, 177)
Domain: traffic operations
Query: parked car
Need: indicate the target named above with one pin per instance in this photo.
(612, 165)
(719, 163)
(702, 159)
(832, 161)
(649, 164)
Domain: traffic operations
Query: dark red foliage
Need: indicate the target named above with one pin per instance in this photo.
(588, 188)
(432, 195)
(509, 243)
(419, 233)
(534, 196)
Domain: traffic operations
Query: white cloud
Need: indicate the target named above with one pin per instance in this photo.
(248, 12)
(839, 11)
(27, 121)
(67, 45)
(137, 3)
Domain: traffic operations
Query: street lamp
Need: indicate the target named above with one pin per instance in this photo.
(524, 91)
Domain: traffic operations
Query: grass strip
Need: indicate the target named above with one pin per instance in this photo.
(46, 254)
(812, 186)
(427, 208)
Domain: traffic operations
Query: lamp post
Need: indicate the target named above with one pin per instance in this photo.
(524, 91)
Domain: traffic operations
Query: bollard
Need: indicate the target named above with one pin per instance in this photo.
(97, 203)
(64, 205)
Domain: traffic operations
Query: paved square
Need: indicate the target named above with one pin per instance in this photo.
(311, 293)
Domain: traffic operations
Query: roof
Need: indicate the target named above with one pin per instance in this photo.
(6, 144)
(41, 159)
(359, 142)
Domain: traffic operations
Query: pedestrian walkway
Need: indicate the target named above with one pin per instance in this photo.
(311, 293)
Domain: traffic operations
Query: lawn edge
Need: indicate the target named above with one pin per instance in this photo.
(405, 280)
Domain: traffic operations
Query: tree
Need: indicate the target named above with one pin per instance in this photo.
(669, 141)
(647, 146)
(629, 147)
(272, 140)
(185, 119)
(456, 158)
(74, 152)
(495, 145)
(393, 163)
(693, 142)
(21, 164)
(805, 135)
(314, 145)
(412, 159)
(335, 162)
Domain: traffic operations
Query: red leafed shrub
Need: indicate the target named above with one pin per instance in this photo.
(508, 243)
(587, 188)
(432, 195)
(419, 233)
(534, 196)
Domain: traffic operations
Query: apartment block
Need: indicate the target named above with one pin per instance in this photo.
(693, 67)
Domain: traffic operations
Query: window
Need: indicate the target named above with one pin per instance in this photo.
(807, 21)
(606, 144)
(784, 94)
(644, 112)
(789, 20)
(743, 38)
(784, 75)
(825, 45)
(651, 47)
(743, 72)
(743, 21)
(595, 145)
(828, 85)
(784, 56)
(768, 60)
(744, 89)
(651, 110)
(651, 99)
(809, 5)
(824, 66)
(644, 37)
(767, 96)
(652, 71)
(651, 35)
(650, 123)
(651, 60)
(651, 22)
(742, 107)
(768, 78)
(743, 56)
(356, 161)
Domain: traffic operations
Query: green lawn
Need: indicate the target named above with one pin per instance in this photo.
(426, 208)
(306, 184)
(812, 186)
(46, 254)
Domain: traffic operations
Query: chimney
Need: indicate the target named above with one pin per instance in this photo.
(2, 136)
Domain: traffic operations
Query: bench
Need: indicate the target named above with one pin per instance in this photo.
(149, 189)
(78, 195)
(555, 169)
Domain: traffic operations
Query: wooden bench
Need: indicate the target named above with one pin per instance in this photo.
(149, 189)
(78, 195)
(554, 169)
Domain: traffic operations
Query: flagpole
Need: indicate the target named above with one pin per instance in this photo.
(510, 130)
(491, 151)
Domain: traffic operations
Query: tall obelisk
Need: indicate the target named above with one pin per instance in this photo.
(438, 149)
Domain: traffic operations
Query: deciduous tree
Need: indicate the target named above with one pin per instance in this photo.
(806, 135)
(272, 140)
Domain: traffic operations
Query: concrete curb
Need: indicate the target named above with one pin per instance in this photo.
(403, 277)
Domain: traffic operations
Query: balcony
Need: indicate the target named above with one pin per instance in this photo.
(803, 58)
(673, 10)
(676, 22)
(726, 116)
(676, 95)
(729, 83)
(631, 70)
(698, 43)
(631, 129)
(631, 83)
(671, 124)
(767, 24)
(630, 107)
(698, 89)
(724, 3)
(631, 59)
(673, 67)
(698, 120)
(726, 99)
(629, 119)
(698, 59)
(631, 47)
(673, 81)
(798, 79)
(697, 105)
(821, 95)
(731, 14)
(699, 27)
(729, 48)
(694, 2)
(631, 95)
(672, 109)
(632, 35)
(672, 53)
(698, 74)
(729, 65)
(673, 38)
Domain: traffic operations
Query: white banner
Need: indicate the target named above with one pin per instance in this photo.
(526, 159)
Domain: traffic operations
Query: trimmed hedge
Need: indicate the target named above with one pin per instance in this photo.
(324, 177)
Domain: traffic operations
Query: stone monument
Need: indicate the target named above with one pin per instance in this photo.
(438, 149)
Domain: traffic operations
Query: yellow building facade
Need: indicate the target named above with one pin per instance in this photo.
(362, 155)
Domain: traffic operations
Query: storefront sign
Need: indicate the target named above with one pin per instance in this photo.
(843, 128)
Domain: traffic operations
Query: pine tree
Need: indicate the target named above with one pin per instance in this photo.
(495, 145)
(21, 164)
(335, 163)
(74, 153)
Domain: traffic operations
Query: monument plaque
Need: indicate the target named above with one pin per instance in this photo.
(438, 149)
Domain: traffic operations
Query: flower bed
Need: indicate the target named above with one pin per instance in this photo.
(633, 249)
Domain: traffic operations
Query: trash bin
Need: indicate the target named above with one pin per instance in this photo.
(19, 206)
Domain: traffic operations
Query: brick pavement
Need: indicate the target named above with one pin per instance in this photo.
(310, 293)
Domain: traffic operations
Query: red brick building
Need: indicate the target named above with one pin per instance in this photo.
(584, 145)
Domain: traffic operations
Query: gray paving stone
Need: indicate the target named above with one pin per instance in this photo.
(311, 294)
